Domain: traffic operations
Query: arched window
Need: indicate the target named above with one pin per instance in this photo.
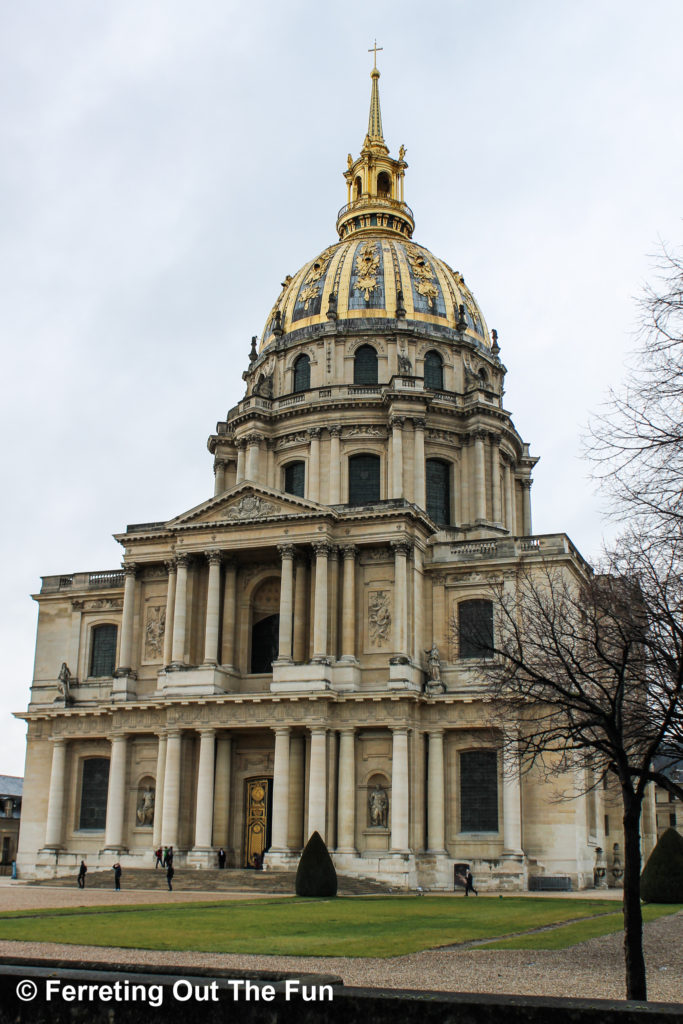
(295, 478)
(475, 629)
(433, 371)
(94, 786)
(439, 491)
(483, 377)
(478, 791)
(383, 185)
(358, 186)
(364, 479)
(302, 373)
(365, 365)
(103, 650)
(265, 625)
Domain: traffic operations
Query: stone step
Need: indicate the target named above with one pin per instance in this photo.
(228, 880)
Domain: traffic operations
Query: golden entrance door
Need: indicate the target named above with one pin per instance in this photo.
(257, 818)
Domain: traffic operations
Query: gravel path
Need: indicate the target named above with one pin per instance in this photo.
(591, 969)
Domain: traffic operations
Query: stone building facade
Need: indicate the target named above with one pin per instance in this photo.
(303, 650)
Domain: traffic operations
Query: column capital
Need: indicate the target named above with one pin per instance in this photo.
(526, 484)
(207, 730)
(334, 431)
(495, 439)
(129, 568)
(348, 550)
(254, 438)
(402, 547)
(286, 550)
(240, 443)
(281, 730)
(182, 561)
(170, 566)
(173, 733)
(59, 741)
(318, 730)
(322, 548)
(397, 422)
(213, 556)
(334, 552)
(479, 435)
(314, 432)
(436, 732)
(419, 423)
(348, 730)
(219, 464)
(399, 730)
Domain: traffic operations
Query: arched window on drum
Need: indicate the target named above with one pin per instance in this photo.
(433, 371)
(438, 481)
(302, 373)
(365, 365)
(364, 482)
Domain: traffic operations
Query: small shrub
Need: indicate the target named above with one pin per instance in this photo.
(662, 877)
(315, 875)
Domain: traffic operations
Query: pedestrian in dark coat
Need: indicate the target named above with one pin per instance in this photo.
(469, 884)
(159, 858)
(117, 877)
(169, 857)
(81, 875)
(221, 858)
(169, 876)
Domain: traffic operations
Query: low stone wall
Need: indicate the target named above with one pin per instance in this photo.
(68, 992)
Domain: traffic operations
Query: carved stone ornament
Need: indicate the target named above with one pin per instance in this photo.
(434, 681)
(250, 506)
(311, 286)
(99, 604)
(379, 617)
(144, 813)
(364, 430)
(378, 807)
(367, 266)
(64, 684)
(423, 275)
(155, 627)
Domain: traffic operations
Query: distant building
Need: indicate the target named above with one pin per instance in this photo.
(10, 815)
(669, 808)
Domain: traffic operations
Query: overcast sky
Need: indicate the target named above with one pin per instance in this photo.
(165, 164)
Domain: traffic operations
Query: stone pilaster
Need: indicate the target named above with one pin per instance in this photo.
(526, 507)
(54, 826)
(346, 793)
(419, 426)
(397, 423)
(495, 479)
(509, 498)
(300, 650)
(314, 464)
(317, 785)
(286, 552)
(203, 832)
(159, 790)
(400, 801)
(125, 666)
(180, 611)
(241, 446)
(116, 795)
(219, 476)
(335, 466)
(322, 551)
(512, 807)
(253, 466)
(221, 801)
(213, 604)
(280, 826)
(229, 611)
(401, 552)
(297, 774)
(479, 477)
(170, 609)
(435, 792)
(348, 651)
(171, 803)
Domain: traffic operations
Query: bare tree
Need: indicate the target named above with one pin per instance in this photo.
(592, 668)
(636, 443)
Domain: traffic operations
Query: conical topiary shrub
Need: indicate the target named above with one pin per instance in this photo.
(315, 875)
(662, 877)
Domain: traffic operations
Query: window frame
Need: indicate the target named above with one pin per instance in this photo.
(366, 347)
(93, 631)
(288, 466)
(299, 362)
(449, 490)
(477, 800)
(378, 462)
(82, 773)
(433, 352)
(478, 656)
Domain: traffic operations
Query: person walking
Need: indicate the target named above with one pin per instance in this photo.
(117, 876)
(469, 884)
(81, 875)
(169, 857)
(164, 862)
(169, 876)
(159, 858)
(221, 858)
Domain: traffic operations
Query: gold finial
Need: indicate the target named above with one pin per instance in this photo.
(374, 49)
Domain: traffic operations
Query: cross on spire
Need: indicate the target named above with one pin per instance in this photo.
(374, 49)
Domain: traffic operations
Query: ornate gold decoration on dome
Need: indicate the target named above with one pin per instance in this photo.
(367, 265)
(311, 286)
(423, 273)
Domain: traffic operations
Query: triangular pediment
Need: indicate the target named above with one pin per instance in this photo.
(247, 503)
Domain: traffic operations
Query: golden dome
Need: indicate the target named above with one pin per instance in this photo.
(376, 276)
(376, 273)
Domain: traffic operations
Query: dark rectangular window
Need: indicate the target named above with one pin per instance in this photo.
(94, 789)
(475, 629)
(438, 491)
(295, 479)
(364, 479)
(672, 819)
(607, 824)
(479, 791)
(103, 653)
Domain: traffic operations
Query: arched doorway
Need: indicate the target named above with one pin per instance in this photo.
(265, 626)
(258, 815)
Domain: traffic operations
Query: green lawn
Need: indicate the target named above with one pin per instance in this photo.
(373, 926)
(581, 931)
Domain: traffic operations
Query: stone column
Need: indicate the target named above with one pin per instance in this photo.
(346, 794)
(509, 501)
(420, 485)
(313, 488)
(399, 791)
(479, 477)
(270, 462)
(221, 791)
(322, 551)
(213, 605)
(297, 777)
(286, 602)
(401, 551)
(55, 801)
(397, 456)
(335, 466)
(280, 826)
(333, 601)
(116, 794)
(526, 507)
(317, 784)
(418, 600)
(439, 612)
(300, 651)
(229, 610)
(171, 804)
(253, 468)
(241, 446)
(348, 651)
(512, 807)
(495, 479)
(180, 611)
(170, 608)
(203, 829)
(159, 791)
(125, 666)
(219, 476)
(435, 793)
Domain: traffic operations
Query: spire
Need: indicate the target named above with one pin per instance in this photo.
(375, 119)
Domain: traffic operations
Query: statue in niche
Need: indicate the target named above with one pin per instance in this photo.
(145, 808)
(64, 683)
(404, 364)
(434, 681)
(378, 807)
